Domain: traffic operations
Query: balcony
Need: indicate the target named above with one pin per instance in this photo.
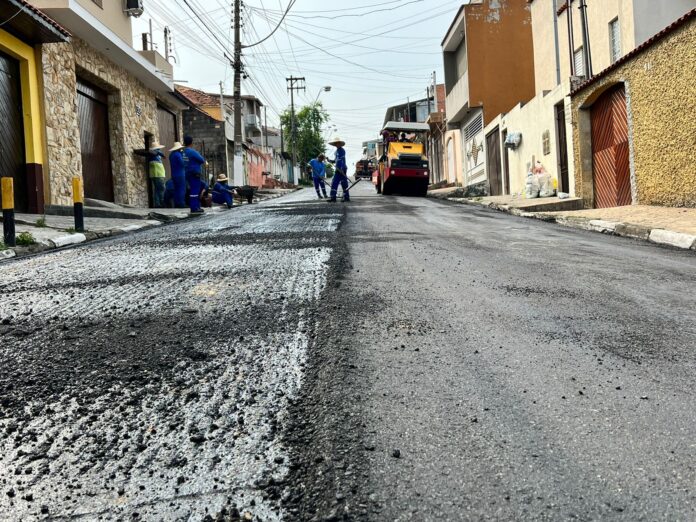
(107, 35)
(457, 100)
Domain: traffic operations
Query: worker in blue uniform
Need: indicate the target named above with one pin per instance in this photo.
(341, 174)
(223, 194)
(176, 161)
(318, 175)
(193, 164)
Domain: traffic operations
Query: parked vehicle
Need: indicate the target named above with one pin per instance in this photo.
(364, 168)
(403, 167)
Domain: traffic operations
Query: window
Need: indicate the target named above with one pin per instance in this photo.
(614, 40)
(579, 59)
(98, 2)
(546, 142)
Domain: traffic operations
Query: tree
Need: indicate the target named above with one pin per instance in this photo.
(308, 123)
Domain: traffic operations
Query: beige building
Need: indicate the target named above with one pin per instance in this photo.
(103, 100)
(544, 124)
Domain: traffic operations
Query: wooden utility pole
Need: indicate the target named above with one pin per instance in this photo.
(294, 84)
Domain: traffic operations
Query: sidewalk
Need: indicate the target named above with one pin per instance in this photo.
(56, 231)
(668, 226)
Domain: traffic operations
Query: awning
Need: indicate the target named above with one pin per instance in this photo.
(31, 25)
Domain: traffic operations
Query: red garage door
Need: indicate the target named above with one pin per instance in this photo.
(610, 168)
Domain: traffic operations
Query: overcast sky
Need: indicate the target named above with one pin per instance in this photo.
(373, 54)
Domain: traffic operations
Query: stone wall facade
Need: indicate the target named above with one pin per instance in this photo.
(132, 110)
(661, 102)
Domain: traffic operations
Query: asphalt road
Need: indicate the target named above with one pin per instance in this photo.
(523, 371)
(388, 359)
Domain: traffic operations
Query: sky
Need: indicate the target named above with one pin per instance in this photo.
(372, 54)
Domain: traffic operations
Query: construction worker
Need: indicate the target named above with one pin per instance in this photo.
(193, 163)
(157, 174)
(318, 174)
(341, 175)
(176, 161)
(223, 194)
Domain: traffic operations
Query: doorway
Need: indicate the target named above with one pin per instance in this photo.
(494, 163)
(12, 153)
(610, 157)
(93, 113)
(562, 141)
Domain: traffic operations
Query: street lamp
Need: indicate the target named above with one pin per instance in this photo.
(326, 88)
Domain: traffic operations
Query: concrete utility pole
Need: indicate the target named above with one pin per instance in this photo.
(224, 127)
(294, 84)
(237, 80)
(265, 129)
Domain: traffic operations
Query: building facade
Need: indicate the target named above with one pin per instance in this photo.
(633, 125)
(103, 101)
(22, 137)
(489, 68)
(544, 126)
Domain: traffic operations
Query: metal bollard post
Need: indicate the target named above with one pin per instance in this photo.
(8, 217)
(78, 204)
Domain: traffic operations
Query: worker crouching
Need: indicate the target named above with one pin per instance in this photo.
(223, 194)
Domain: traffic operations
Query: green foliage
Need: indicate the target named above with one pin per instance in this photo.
(41, 222)
(3, 246)
(25, 239)
(308, 123)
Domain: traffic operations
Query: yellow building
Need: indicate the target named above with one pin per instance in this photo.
(22, 137)
(633, 125)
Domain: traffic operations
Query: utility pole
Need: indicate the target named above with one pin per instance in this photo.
(294, 84)
(224, 127)
(237, 80)
(265, 128)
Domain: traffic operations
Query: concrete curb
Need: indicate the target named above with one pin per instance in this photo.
(656, 235)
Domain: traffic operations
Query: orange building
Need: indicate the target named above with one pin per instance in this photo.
(488, 55)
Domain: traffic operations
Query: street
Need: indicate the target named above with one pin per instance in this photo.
(388, 359)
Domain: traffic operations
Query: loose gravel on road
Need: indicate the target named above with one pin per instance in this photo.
(150, 377)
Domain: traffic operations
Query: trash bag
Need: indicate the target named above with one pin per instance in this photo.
(546, 189)
(532, 186)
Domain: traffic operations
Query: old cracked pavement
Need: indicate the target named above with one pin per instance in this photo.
(391, 359)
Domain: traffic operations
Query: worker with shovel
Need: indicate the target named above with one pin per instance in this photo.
(341, 175)
(318, 175)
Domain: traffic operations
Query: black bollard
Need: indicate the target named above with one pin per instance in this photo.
(78, 204)
(8, 217)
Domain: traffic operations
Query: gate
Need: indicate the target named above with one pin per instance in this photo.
(93, 112)
(494, 163)
(12, 158)
(168, 132)
(610, 165)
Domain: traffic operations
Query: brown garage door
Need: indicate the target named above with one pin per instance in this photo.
(168, 132)
(610, 166)
(93, 112)
(494, 163)
(12, 130)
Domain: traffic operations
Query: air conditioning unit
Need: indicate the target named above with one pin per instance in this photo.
(133, 8)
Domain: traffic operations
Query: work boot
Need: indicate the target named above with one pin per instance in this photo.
(320, 196)
(332, 200)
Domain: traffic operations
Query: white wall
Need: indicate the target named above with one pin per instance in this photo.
(651, 16)
(532, 120)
